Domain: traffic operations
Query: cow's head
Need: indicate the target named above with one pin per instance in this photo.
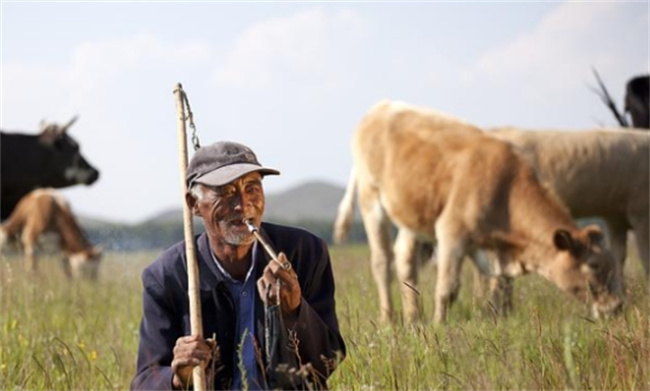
(63, 155)
(583, 267)
(85, 264)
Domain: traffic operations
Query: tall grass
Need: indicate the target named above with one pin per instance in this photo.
(62, 335)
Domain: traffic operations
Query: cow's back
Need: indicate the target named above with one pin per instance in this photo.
(419, 160)
(35, 212)
(596, 172)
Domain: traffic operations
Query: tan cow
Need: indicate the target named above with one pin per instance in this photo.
(595, 173)
(437, 177)
(604, 173)
(45, 210)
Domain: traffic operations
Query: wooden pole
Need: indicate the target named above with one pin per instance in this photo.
(196, 324)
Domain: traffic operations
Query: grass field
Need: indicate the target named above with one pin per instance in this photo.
(61, 335)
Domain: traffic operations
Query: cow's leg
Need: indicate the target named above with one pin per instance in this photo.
(501, 294)
(641, 235)
(451, 250)
(67, 269)
(4, 238)
(29, 246)
(407, 251)
(377, 226)
(481, 283)
(488, 277)
(617, 230)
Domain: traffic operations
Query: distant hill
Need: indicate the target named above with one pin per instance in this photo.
(169, 216)
(311, 201)
(312, 205)
(314, 201)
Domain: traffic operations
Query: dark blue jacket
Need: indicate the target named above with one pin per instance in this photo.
(166, 309)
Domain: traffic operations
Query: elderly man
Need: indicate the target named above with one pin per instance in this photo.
(225, 187)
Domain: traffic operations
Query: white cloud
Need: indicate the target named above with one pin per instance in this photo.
(121, 90)
(95, 63)
(557, 55)
(95, 66)
(287, 47)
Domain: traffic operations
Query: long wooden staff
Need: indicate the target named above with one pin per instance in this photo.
(196, 324)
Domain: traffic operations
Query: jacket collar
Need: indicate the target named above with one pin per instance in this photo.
(209, 274)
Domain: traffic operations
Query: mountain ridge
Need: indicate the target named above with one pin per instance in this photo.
(314, 200)
(308, 201)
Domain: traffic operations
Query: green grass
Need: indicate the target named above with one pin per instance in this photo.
(61, 335)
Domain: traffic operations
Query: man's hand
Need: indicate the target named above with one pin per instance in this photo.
(290, 293)
(189, 352)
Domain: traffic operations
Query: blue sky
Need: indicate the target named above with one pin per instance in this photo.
(293, 79)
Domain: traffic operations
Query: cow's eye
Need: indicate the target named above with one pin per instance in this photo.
(595, 266)
(59, 144)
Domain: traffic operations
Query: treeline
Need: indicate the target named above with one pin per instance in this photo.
(160, 235)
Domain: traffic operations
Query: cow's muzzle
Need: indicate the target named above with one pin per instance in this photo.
(92, 178)
(612, 308)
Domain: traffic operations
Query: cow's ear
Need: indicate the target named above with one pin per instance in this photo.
(48, 137)
(564, 241)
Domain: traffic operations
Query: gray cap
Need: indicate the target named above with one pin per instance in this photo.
(223, 162)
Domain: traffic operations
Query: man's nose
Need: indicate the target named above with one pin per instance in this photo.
(240, 199)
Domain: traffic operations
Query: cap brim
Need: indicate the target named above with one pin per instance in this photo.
(227, 174)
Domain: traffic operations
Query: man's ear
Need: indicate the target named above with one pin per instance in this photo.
(192, 203)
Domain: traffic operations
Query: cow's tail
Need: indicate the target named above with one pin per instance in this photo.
(346, 211)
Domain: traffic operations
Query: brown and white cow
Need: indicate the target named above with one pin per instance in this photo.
(437, 177)
(45, 210)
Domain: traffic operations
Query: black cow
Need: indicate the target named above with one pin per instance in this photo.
(637, 102)
(49, 159)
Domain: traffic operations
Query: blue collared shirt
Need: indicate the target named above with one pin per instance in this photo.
(243, 294)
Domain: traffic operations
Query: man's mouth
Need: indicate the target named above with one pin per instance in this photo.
(237, 221)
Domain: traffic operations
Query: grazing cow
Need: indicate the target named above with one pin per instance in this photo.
(49, 159)
(637, 102)
(595, 173)
(45, 210)
(436, 177)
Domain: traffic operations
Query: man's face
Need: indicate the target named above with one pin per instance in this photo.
(223, 208)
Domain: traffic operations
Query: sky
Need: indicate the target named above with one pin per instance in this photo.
(293, 79)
